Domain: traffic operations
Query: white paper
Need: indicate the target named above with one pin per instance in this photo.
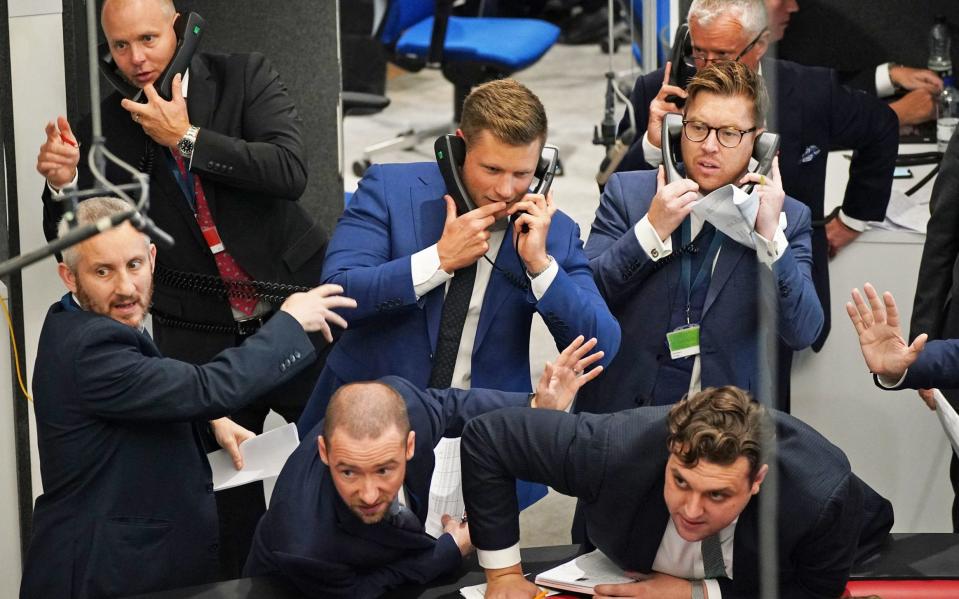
(906, 213)
(584, 573)
(446, 486)
(732, 211)
(948, 418)
(263, 457)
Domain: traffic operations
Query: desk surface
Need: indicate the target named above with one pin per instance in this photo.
(905, 556)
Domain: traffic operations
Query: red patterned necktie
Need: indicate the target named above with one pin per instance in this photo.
(231, 272)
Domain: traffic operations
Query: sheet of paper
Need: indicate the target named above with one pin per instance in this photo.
(446, 486)
(948, 418)
(584, 573)
(478, 591)
(731, 211)
(906, 213)
(263, 457)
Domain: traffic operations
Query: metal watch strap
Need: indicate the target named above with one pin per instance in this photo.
(187, 143)
(549, 262)
(697, 587)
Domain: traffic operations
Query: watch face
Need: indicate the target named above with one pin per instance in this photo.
(185, 146)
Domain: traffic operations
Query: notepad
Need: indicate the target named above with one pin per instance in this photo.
(583, 573)
(263, 457)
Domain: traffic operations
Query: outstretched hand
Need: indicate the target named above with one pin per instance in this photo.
(562, 379)
(880, 337)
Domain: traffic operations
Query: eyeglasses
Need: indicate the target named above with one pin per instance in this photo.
(698, 58)
(728, 137)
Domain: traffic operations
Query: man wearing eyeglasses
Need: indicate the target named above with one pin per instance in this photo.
(684, 293)
(810, 110)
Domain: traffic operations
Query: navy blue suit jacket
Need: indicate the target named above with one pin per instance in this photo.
(310, 537)
(615, 464)
(641, 294)
(127, 504)
(813, 113)
(399, 210)
(936, 367)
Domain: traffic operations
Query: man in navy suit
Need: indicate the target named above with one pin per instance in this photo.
(400, 244)
(127, 504)
(667, 273)
(673, 496)
(346, 516)
(812, 112)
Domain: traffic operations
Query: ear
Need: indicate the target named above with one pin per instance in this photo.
(459, 133)
(324, 455)
(410, 445)
(760, 476)
(67, 276)
(153, 257)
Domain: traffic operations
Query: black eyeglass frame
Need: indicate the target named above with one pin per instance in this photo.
(692, 59)
(741, 132)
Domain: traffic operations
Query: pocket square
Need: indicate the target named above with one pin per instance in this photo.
(809, 153)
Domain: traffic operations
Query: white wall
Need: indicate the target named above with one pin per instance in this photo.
(36, 57)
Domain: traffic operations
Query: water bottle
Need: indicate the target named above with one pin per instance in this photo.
(948, 113)
(940, 48)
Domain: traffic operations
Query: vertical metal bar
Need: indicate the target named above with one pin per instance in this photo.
(650, 39)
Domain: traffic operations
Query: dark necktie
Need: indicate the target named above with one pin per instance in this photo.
(230, 271)
(713, 564)
(455, 306)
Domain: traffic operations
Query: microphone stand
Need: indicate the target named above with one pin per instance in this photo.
(604, 134)
(97, 159)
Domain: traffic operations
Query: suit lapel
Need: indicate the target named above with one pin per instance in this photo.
(498, 288)
(381, 533)
(428, 224)
(201, 100)
(746, 547)
(648, 529)
(729, 256)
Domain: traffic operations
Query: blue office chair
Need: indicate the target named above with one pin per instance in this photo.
(468, 50)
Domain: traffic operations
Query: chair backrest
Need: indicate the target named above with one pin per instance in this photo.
(400, 16)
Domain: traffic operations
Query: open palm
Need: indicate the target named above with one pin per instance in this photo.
(880, 336)
(562, 379)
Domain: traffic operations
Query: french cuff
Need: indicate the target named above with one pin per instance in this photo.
(884, 85)
(652, 154)
(54, 190)
(887, 383)
(540, 283)
(500, 558)
(649, 240)
(712, 588)
(768, 251)
(853, 223)
(426, 272)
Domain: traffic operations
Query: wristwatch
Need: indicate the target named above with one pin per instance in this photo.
(186, 143)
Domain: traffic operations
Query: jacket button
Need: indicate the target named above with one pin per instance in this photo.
(210, 164)
(282, 367)
(214, 547)
(296, 354)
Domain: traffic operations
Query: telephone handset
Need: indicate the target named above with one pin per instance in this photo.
(450, 153)
(188, 31)
(679, 71)
(764, 149)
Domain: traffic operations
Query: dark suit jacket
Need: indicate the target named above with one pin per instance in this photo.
(642, 293)
(397, 211)
(616, 465)
(251, 157)
(310, 537)
(128, 502)
(814, 114)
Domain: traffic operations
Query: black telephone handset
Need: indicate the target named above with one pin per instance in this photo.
(764, 149)
(188, 31)
(450, 153)
(679, 71)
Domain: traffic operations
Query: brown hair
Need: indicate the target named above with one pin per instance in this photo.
(719, 425)
(366, 411)
(507, 109)
(731, 78)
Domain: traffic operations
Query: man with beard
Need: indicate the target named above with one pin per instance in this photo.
(128, 501)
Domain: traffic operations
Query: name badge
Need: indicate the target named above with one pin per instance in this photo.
(684, 341)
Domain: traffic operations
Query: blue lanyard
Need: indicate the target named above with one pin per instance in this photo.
(185, 183)
(705, 268)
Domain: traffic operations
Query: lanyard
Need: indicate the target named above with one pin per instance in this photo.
(185, 183)
(705, 269)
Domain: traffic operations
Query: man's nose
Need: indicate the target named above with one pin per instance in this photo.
(369, 493)
(694, 506)
(136, 54)
(505, 188)
(125, 284)
(711, 143)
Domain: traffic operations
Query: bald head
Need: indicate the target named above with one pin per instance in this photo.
(365, 411)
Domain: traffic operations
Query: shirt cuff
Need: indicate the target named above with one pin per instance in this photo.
(500, 558)
(712, 589)
(853, 223)
(888, 384)
(649, 240)
(426, 272)
(768, 251)
(54, 190)
(540, 285)
(652, 154)
(884, 85)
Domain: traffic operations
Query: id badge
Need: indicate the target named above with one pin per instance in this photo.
(212, 237)
(684, 341)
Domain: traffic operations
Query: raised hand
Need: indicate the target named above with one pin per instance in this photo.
(562, 379)
(537, 214)
(164, 121)
(659, 108)
(314, 309)
(880, 338)
(465, 237)
(771, 197)
(671, 204)
(59, 154)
